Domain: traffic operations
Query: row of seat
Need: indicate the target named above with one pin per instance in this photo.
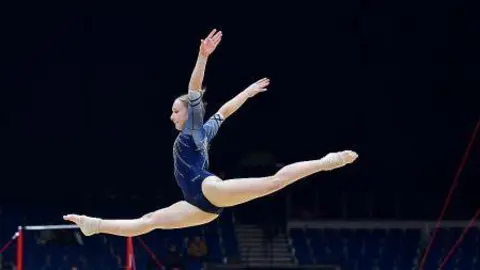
(382, 248)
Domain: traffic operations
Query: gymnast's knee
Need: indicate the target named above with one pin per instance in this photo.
(276, 182)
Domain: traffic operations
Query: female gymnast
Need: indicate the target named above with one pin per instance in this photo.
(204, 193)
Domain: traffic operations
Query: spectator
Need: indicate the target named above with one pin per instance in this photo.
(197, 249)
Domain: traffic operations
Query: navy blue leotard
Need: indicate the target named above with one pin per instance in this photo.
(190, 153)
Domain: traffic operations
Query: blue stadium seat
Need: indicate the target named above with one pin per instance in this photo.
(300, 245)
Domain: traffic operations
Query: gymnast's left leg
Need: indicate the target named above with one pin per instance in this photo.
(179, 215)
(237, 191)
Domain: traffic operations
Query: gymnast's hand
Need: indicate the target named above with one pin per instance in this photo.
(257, 87)
(209, 44)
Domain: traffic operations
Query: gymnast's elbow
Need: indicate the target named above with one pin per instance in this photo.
(225, 112)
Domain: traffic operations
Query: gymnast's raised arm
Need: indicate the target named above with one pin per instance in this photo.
(235, 103)
(195, 104)
(207, 47)
(196, 110)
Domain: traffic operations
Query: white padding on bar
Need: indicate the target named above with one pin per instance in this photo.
(50, 227)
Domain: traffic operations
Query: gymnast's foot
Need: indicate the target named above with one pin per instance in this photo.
(338, 159)
(348, 156)
(88, 225)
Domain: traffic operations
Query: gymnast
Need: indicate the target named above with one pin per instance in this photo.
(205, 194)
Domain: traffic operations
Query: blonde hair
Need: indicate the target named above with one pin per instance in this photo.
(184, 99)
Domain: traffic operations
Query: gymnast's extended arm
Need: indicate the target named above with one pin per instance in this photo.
(207, 46)
(235, 103)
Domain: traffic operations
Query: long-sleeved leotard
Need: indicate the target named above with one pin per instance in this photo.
(190, 152)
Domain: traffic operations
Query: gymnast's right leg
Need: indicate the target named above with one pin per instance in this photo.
(233, 192)
(179, 215)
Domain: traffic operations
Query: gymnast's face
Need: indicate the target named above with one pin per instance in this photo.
(179, 114)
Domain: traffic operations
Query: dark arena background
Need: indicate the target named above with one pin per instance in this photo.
(85, 106)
